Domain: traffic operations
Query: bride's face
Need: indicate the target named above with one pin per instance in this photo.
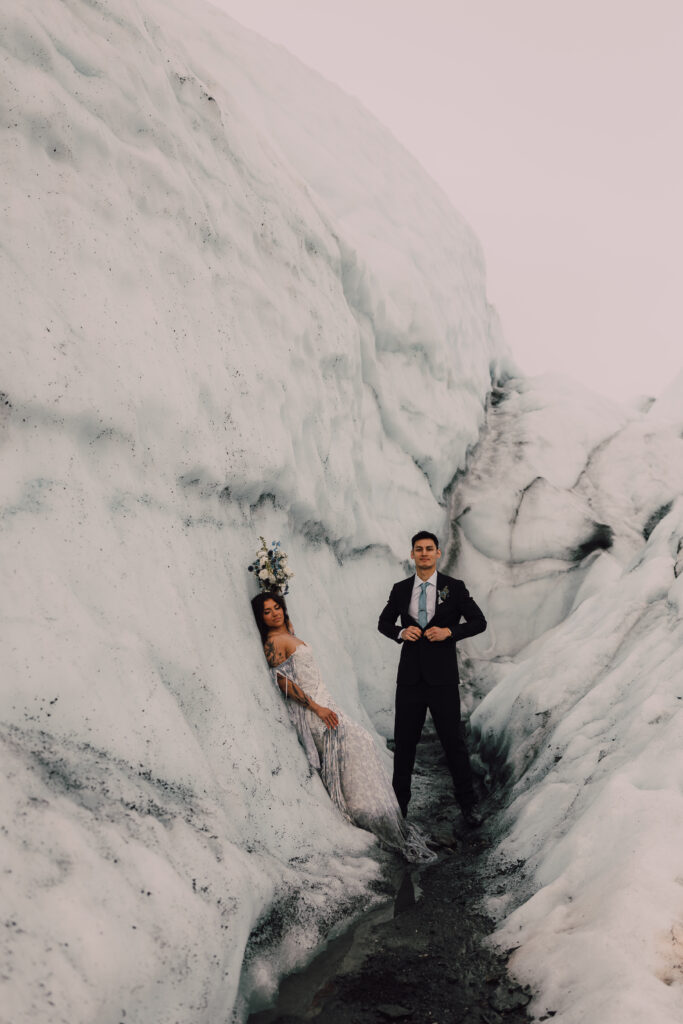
(273, 615)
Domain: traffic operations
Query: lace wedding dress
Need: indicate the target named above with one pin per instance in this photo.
(349, 763)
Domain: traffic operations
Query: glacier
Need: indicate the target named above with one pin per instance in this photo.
(235, 306)
(219, 323)
(577, 704)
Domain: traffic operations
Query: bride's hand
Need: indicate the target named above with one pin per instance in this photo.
(328, 716)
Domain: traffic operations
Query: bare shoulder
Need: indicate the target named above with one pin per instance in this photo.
(277, 649)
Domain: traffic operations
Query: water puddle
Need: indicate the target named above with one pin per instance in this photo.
(301, 994)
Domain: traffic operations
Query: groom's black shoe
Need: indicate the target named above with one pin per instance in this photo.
(404, 810)
(473, 817)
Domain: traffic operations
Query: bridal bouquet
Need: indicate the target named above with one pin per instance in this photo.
(270, 566)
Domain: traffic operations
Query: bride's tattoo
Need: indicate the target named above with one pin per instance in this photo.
(294, 692)
(269, 648)
(273, 656)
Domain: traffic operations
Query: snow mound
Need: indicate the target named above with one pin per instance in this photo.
(585, 722)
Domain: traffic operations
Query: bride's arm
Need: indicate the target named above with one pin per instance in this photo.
(275, 655)
(295, 693)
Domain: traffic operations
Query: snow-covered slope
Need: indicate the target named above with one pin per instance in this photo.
(570, 528)
(233, 306)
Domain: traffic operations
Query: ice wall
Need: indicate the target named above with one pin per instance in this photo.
(233, 306)
(569, 527)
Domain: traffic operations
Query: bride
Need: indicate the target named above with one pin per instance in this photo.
(340, 749)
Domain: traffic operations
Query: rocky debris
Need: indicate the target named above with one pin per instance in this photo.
(509, 997)
(394, 1012)
(430, 963)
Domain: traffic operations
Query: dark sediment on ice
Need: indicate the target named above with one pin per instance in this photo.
(421, 959)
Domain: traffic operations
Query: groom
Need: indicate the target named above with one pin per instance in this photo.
(430, 606)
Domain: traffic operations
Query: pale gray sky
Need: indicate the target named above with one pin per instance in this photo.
(555, 128)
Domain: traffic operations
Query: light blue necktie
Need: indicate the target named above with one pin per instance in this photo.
(422, 606)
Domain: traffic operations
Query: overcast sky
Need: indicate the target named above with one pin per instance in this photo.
(555, 127)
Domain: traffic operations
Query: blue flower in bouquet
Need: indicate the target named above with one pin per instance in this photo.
(270, 567)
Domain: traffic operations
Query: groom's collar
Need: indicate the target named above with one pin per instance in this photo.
(434, 578)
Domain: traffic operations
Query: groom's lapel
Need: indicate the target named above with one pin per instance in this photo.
(407, 594)
(439, 587)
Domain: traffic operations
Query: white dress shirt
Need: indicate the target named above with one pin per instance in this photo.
(430, 594)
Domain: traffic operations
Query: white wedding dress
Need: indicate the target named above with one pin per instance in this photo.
(349, 763)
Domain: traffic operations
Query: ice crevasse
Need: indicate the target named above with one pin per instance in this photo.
(234, 307)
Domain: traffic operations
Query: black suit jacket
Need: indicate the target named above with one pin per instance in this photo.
(421, 660)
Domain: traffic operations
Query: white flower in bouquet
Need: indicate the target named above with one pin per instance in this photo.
(271, 568)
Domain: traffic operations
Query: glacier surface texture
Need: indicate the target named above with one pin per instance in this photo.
(234, 306)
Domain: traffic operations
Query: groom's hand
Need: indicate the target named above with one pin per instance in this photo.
(411, 633)
(436, 633)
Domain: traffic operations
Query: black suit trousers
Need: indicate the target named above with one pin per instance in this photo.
(412, 704)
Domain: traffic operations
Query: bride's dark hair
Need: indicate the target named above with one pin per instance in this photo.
(257, 608)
